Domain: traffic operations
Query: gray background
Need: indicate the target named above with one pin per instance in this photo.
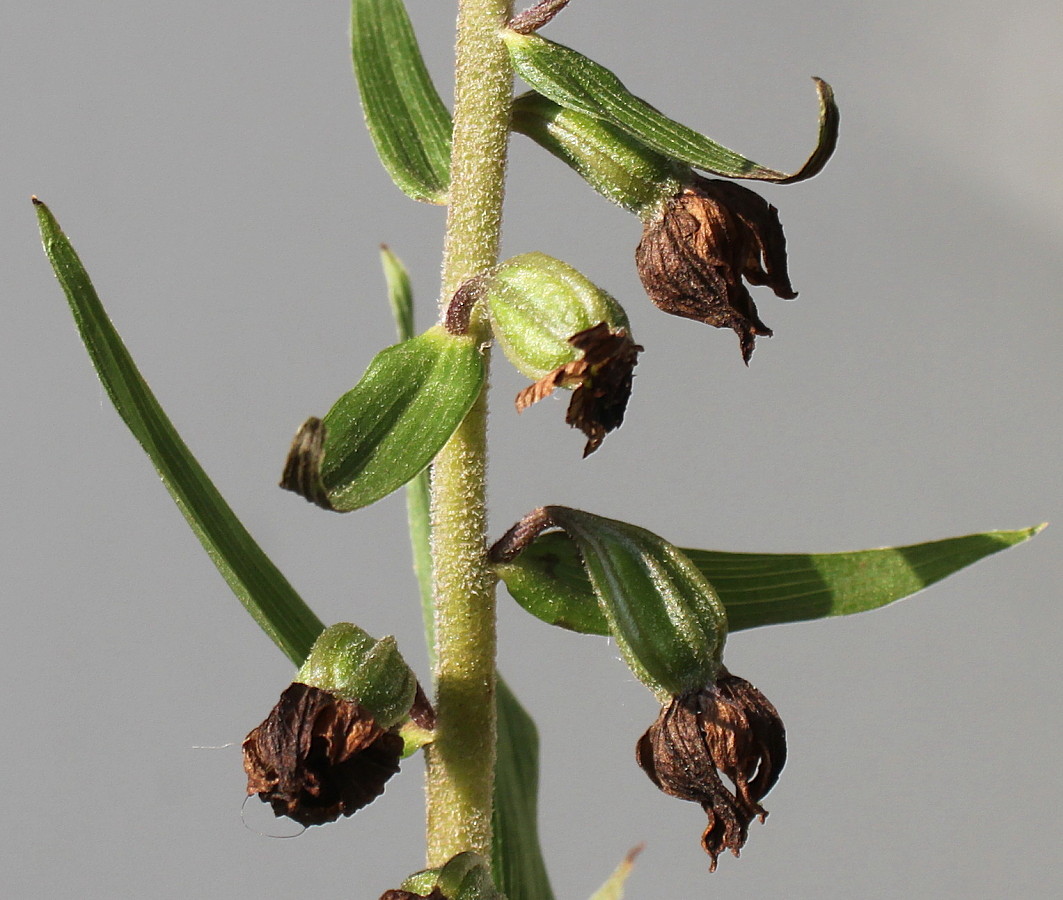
(209, 162)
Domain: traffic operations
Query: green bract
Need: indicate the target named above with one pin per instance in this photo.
(351, 664)
(549, 581)
(582, 85)
(407, 120)
(620, 167)
(537, 303)
(387, 428)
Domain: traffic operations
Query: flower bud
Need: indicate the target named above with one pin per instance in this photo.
(667, 621)
(464, 877)
(617, 165)
(557, 327)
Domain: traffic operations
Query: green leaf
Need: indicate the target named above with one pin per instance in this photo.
(757, 588)
(259, 585)
(407, 120)
(613, 889)
(384, 431)
(580, 84)
(517, 857)
(664, 615)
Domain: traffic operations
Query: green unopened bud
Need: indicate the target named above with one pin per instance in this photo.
(562, 330)
(352, 665)
(465, 877)
(617, 165)
(666, 618)
(537, 303)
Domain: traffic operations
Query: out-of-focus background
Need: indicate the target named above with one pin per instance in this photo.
(210, 163)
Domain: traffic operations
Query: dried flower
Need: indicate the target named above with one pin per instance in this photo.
(406, 895)
(602, 379)
(317, 756)
(694, 254)
(728, 727)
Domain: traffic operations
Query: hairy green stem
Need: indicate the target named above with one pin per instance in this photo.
(461, 760)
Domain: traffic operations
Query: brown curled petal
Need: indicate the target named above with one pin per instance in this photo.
(317, 757)
(693, 257)
(729, 728)
(563, 376)
(602, 379)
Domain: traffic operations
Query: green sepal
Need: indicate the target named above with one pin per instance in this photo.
(385, 430)
(407, 119)
(618, 166)
(353, 665)
(536, 303)
(575, 82)
(666, 619)
(756, 589)
(258, 584)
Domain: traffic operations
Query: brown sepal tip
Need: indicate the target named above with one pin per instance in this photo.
(602, 380)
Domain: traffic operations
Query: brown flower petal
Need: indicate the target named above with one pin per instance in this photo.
(436, 894)
(693, 256)
(728, 727)
(317, 757)
(602, 377)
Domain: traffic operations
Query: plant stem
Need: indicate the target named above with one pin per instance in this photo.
(461, 759)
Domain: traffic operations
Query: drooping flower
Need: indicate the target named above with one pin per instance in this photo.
(727, 728)
(695, 253)
(317, 757)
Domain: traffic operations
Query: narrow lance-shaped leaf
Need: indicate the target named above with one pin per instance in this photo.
(757, 589)
(386, 429)
(259, 585)
(580, 84)
(407, 120)
(516, 854)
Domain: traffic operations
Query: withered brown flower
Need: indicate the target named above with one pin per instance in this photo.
(317, 757)
(694, 254)
(728, 727)
(602, 376)
(436, 894)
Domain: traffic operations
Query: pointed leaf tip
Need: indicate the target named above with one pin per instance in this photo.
(576, 82)
(253, 578)
(756, 589)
